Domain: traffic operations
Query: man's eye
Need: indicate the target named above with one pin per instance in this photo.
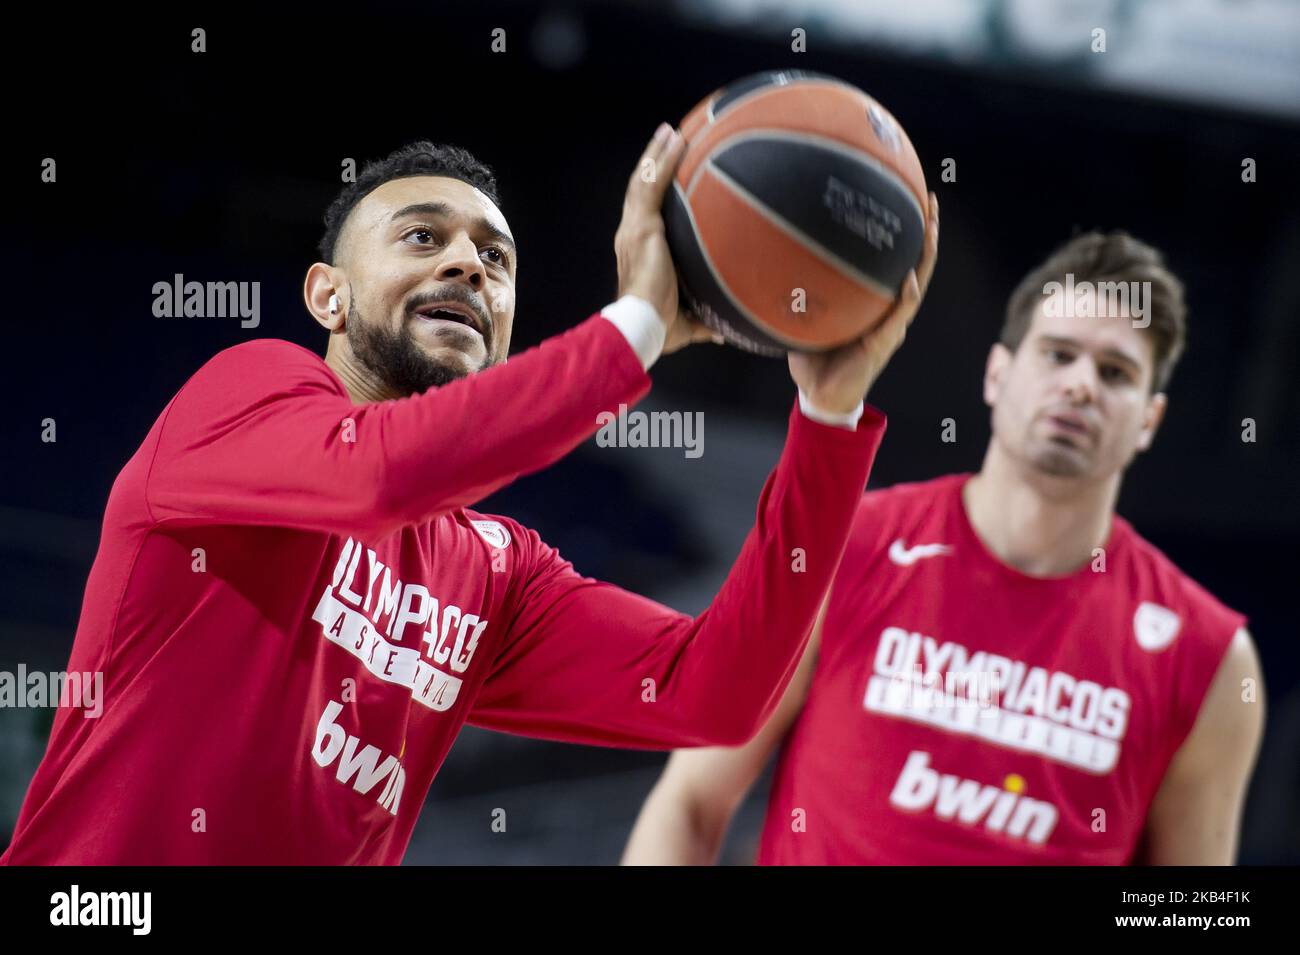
(500, 254)
(421, 232)
(1060, 357)
(1114, 373)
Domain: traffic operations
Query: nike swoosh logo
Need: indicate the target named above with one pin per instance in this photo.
(905, 556)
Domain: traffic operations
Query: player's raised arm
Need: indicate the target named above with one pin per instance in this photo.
(685, 818)
(268, 438)
(589, 662)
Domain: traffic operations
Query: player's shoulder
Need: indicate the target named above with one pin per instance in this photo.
(275, 353)
(1162, 584)
(497, 531)
(264, 349)
(905, 503)
(914, 493)
(261, 364)
(515, 549)
(901, 511)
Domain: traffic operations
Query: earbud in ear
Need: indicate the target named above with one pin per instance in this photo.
(334, 304)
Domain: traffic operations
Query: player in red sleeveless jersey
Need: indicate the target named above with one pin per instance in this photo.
(1004, 672)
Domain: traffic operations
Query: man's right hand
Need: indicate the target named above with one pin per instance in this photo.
(645, 266)
(837, 380)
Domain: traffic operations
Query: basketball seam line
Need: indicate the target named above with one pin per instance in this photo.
(776, 87)
(801, 237)
(726, 290)
(813, 139)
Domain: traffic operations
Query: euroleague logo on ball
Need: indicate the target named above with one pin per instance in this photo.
(885, 129)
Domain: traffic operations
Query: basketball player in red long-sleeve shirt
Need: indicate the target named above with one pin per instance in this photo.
(294, 609)
(1005, 672)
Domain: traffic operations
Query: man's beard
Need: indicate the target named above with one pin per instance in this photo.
(1049, 457)
(397, 360)
(1059, 463)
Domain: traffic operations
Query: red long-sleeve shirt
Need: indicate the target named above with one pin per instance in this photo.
(295, 612)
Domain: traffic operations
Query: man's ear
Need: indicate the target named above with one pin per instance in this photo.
(995, 372)
(1151, 418)
(323, 292)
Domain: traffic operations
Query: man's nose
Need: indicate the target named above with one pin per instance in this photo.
(460, 262)
(1081, 381)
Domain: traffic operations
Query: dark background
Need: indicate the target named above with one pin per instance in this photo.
(219, 166)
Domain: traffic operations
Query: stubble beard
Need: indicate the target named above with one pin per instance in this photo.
(397, 360)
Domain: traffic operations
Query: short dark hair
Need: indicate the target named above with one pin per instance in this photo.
(1109, 257)
(416, 159)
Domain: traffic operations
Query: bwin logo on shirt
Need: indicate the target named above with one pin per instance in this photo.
(1004, 810)
(362, 769)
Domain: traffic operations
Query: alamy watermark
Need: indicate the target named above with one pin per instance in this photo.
(133, 910)
(1087, 299)
(654, 429)
(182, 299)
(23, 690)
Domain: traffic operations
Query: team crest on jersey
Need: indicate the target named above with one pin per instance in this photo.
(1155, 626)
(493, 532)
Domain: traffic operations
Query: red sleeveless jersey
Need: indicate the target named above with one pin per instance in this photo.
(962, 712)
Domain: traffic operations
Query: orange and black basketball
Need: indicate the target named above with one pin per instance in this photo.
(796, 213)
